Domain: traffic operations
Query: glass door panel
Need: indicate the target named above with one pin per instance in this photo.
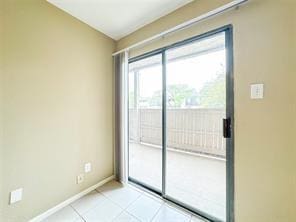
(196, 106)
(145, 122)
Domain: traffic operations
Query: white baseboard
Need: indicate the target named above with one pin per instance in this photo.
(65, 203)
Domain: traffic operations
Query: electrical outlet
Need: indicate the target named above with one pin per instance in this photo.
(16, 195)
(87, 167)
(257, 91)
(80, 178)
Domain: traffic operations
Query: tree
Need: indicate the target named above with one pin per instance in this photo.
(178, 96)
(213, 94)
(156, 99)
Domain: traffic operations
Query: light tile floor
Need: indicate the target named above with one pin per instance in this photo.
(118, 203)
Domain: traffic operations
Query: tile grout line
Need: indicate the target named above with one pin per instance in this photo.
(131, 215)
(148, 194)
(123, 208)
(77, 212)
(98, 204)
(157, 212)
(118, 215)
(141, 194)
(153, 197)
(179, 210)
(91, 208)
(173, 206)
(111, 202)
(133, 201)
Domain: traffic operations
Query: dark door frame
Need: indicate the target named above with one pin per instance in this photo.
(228, 30)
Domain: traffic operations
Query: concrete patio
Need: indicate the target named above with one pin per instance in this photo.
(197, 180)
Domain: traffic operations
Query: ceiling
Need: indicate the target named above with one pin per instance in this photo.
(118, 18)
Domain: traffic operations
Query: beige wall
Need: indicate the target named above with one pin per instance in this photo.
(294, 130)
(56, 76)
(294, 36)
(57, 83)
(1, 106)
(264, 51)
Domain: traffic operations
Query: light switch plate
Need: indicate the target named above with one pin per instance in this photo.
(87, 167)
(16, 195)
(257, 91)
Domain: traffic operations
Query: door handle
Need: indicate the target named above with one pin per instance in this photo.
(227, 128)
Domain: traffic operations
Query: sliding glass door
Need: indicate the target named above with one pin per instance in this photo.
(145, 122)
(196, 106)
(180, 114)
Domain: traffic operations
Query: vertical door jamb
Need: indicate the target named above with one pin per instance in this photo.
(164, 128)
(230, 115)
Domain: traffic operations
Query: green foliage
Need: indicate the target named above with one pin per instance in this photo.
(213, 94)
(156, 99)
(178, 96)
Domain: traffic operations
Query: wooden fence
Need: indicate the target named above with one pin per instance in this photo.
(192, 130)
